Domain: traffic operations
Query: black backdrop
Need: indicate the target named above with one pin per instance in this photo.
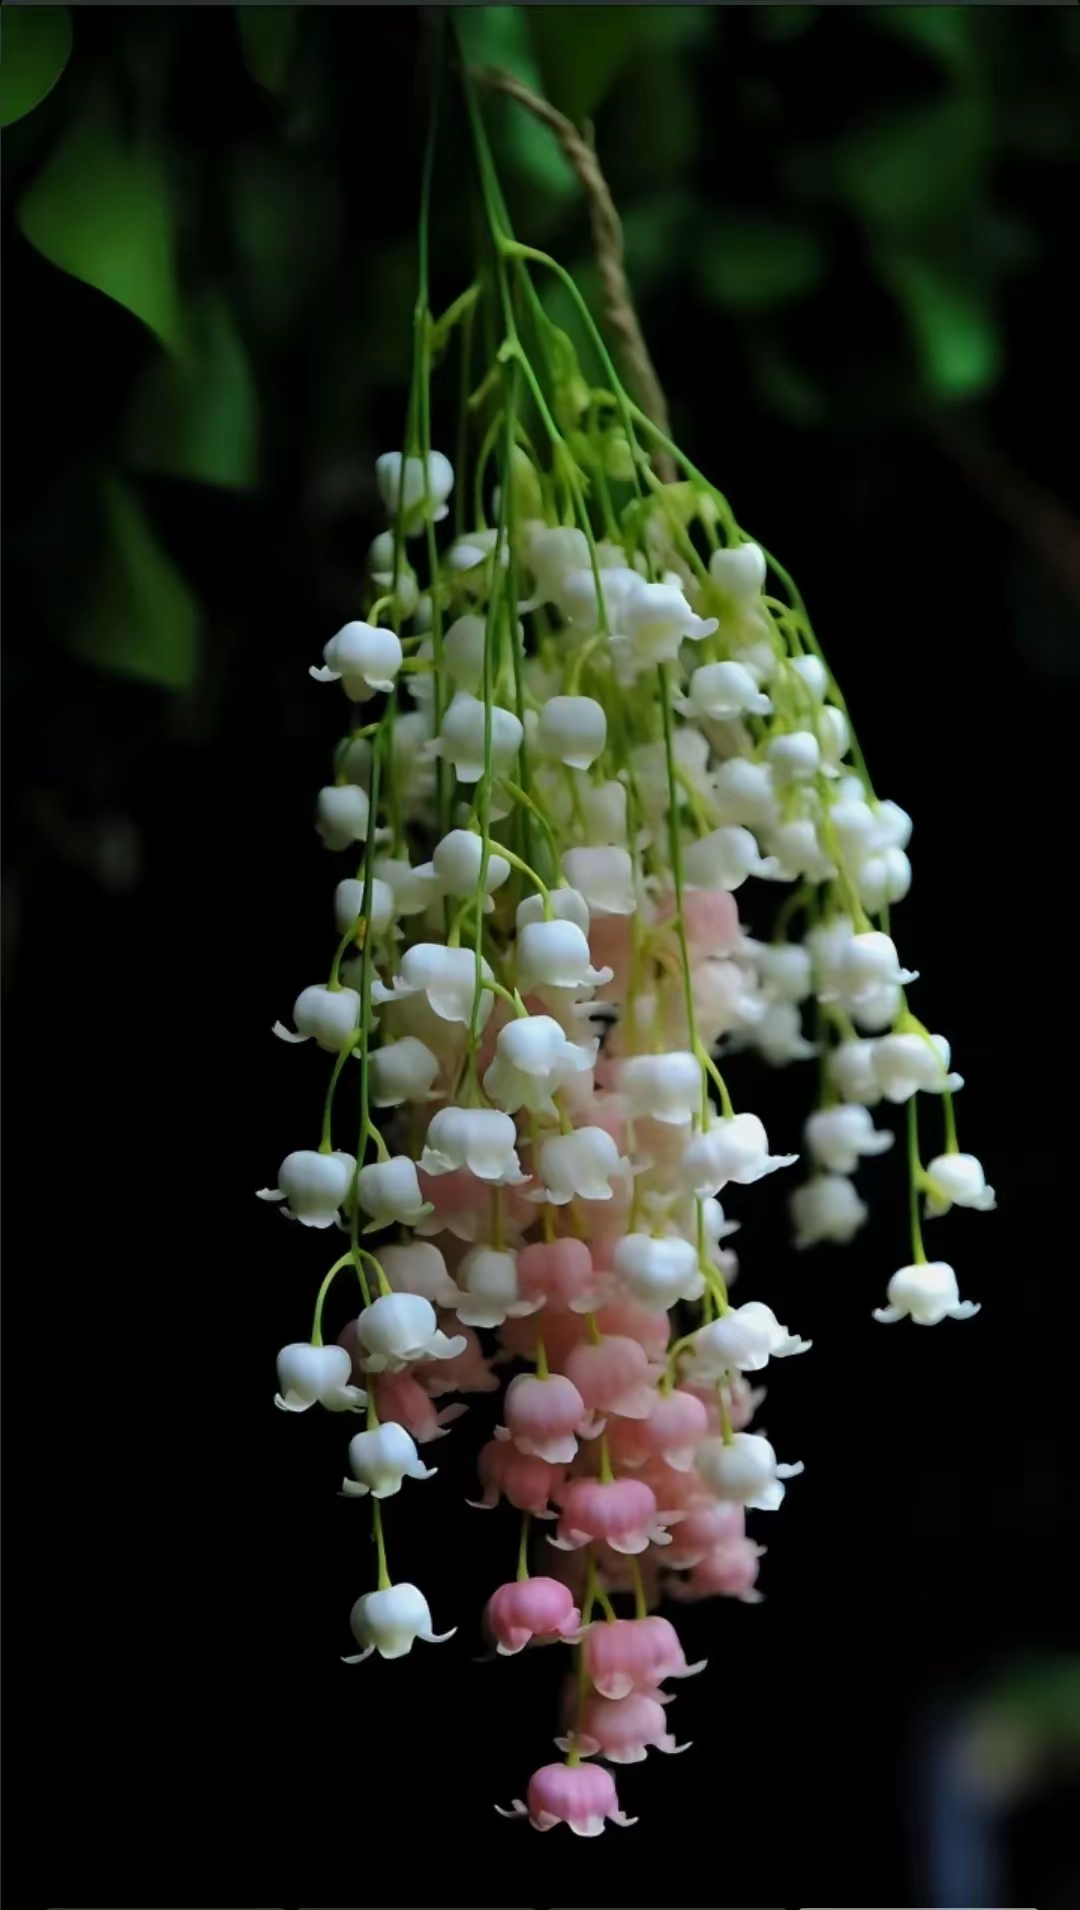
(180, 1569)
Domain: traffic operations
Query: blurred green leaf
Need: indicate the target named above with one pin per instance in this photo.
(99, 209)
(283, 212)
(268, 36)
(139, 618)
(918, 167)
(35, 45)
(947, 34)
(196, 417)
(656, 233)
(784, 23)
(500, 37)
(952, 323)
(580, 67)
(785, 387)
(750, 265)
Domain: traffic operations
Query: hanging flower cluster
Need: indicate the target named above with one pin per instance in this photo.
(586, 720)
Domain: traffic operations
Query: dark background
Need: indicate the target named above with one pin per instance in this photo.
(182, 1570)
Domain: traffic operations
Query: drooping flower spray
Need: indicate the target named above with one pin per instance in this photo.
(585, 711)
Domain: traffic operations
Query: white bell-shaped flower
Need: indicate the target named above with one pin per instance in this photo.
(882, 879)
(732, 1148)
(476, 547)
(553, 553)
(380, 1459)
(391, 570)
(567, 906)
(457, 861)
(313, 1186)
(658, 1271)
(852, 1073)
(413, 889)
(416, 1266)
(446, 976)
(913, 1064)
(663, 1087)
(827, 1207)
(604, 876)
(421, 496)
(389, 1191)
(720, 691)
(839, 1137)
(572, 730)
(778, 1035)
(580, 602)
(655, 619)
(342, 814)
(487, 1277)
(786, 970)
(349, 905)
(580, 1166)
(795, 756)
(482, 1139)
(745, 792)
(363, 658)
(865, 963)
(316, 1375)
(743, 1339)
(740, 572)
(463, 649)
(957, 1180)
(877, 1009)
(400, 1328)
(462, 737)
(744, 1471)
(796, 849)
(555, 954)
(724, 859)
(604, 807)
(533, 1057)
(404, 1070)
(926, 1293)
(328, 1016)
(813, 673)
(391, 1621)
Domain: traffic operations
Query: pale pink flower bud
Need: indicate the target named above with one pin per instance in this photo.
(545, 1416)
(614, 1377)
(400, 1397)
(634, 1654)
(673, 1431)
(522, 1479)
(623, 1729)
(705, 1529)
(730, 1571)
(532, 1608)
(558, 1331)
(558, 1272)
(623, 1512)
(581, 1795)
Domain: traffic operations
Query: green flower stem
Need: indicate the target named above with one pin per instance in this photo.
(385, 1580)
(916, 1178)
(523, 1550)
(316, 1330)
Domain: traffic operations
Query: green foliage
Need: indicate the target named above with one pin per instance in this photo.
(35, 45)
(138, 616)
(268, 37)
(751, 265)
(99, 209)
(196, 417)
(500, 37)
(952, 322)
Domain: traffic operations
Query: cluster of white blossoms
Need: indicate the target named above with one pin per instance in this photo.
(583, 737)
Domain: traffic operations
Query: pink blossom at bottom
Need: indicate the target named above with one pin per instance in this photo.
(580, 1795)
